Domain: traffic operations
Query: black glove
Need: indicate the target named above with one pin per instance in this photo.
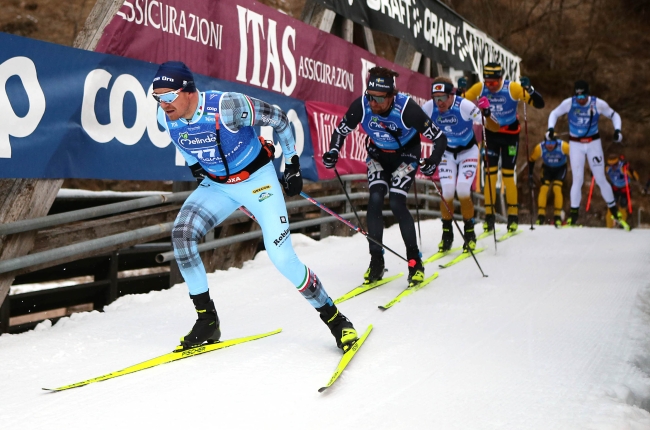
(618, 136)
(292, 180)
(462, 82)
(330, 158)
(427, 166)
(198, 172)
(550, 134)
(525, 83)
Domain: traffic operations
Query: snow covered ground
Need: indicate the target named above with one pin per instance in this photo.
(557, 337)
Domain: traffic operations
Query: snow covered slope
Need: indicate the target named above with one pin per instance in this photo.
(557, 337)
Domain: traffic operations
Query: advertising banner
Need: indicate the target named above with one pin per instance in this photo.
(433, 28)
(70, 113)
(250, 43)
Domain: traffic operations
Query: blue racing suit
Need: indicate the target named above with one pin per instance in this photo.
(247, 178)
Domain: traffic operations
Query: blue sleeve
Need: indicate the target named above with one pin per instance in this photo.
(238, 110)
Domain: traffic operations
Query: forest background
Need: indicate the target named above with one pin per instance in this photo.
(604, 42)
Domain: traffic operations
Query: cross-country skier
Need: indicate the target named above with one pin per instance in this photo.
(504, 96)
(554, 166)
(456, 116)
(214, 132)
(620, 174)
(393, 122)
(583, 112)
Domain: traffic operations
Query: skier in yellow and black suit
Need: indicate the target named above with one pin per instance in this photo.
(554, 163)
(504, 97)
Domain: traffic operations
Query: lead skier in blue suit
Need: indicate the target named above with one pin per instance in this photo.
(214, 132)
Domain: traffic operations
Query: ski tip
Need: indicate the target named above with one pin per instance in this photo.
(321, 389)
(382, 307)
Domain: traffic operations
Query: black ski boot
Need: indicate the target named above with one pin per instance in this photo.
(416, 268)
(470, 236)
(341, 327)
(513, 223)
(488, 224)
(541, 220)
(206, 327)
(447, 236)
(376, 269)
(557, 221)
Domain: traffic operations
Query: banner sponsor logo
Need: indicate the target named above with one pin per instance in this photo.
(280, 62)
(166, 18)
(434, 30)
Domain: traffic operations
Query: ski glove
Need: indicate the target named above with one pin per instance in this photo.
(550, 134)
(198, 172)
(427, 166)
(618, 136)
(462, 82)
(292, 180)
(330, 158)
(525, 83)
(484, 105)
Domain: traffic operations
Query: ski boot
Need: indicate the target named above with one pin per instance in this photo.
(416, 271)
(557, 221)
(618, 218)
(341, 327)
(447, 236)
(376, 269)
(513, 223)
(206, 328)
(470, 236)
(573, 217)
(488, 224)
(541, 220)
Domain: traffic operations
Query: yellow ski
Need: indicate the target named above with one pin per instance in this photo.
(346, 359)
(167, 358)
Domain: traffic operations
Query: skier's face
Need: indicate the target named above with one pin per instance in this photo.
(443, 101)
(180, 107)
(493, 85)
(379, 101)
(582, 99)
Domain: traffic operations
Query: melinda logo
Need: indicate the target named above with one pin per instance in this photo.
(193, 140)
(496, 99)
(447, 120)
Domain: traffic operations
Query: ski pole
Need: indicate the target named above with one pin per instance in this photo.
(348, 223)
(591, 190)
(348, 196)
(532, 190)
(487, 167)
(417, 208)
(458, 227)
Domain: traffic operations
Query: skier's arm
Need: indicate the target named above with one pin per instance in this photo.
(474, 92)
(533, 98)
(350, 121)
(610, 113)
(469, 111)
(562, 109)
(238, 110)
(414, 117)
(565, 147)
(537, 153)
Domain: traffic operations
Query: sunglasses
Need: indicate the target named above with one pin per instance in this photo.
(439, 99)
(376, 99)
(170, 96)
(581, 96)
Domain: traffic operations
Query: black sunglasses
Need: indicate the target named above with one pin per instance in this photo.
(376, 99)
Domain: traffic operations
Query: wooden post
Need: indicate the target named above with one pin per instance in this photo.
(32, 198)
(317, 16)
(407, 56)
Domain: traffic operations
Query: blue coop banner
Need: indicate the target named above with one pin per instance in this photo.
(70, 113)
